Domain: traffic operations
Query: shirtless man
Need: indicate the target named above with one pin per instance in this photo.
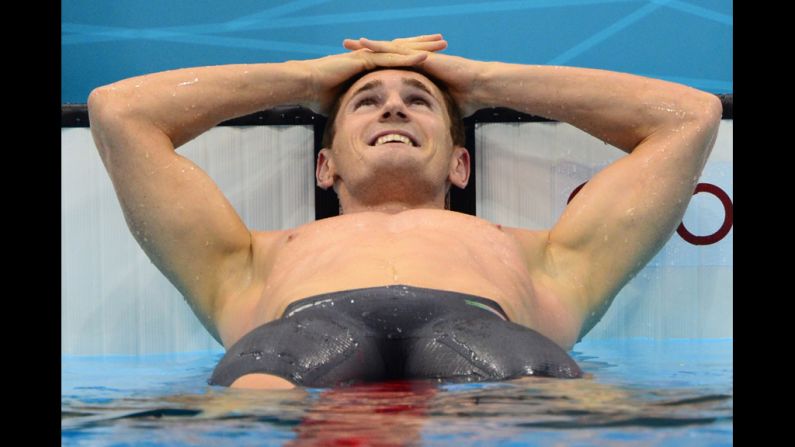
(398, 286)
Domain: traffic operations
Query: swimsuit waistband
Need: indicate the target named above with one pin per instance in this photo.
(403, 293)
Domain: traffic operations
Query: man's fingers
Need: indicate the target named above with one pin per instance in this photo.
(402, 46)
(430, 46)
(352, 45)
(425, 38)
(380, 46)
(395, 60)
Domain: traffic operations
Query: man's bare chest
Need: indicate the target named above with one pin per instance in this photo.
(412, 243)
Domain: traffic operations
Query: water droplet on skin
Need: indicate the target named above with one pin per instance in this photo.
(182, 84)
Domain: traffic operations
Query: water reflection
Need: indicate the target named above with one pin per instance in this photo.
(641, 393)
(406, 413)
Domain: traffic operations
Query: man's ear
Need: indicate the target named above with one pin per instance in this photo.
(459, 167)
(325, 169)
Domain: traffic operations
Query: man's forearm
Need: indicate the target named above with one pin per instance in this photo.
(186, 102)
(618, 108)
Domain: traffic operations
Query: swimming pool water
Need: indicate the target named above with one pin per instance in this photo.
(637, 392)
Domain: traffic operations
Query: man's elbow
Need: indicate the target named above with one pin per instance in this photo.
(105, 116)
(109, 106)
(708, 108)
(705, 120)
(100, 101)
(714, 107)
(97, 106)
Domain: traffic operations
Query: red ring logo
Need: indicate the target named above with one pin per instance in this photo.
(728, 215)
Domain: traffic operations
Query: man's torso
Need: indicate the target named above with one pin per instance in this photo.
(427, 248)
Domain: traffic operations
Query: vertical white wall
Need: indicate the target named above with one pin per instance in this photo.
(525, 174)
(114, 300)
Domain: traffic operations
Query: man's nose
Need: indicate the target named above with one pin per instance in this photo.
(394, 109)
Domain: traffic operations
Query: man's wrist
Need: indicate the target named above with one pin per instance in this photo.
(480, 95)
(305, 76)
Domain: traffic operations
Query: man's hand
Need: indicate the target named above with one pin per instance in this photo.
(404, 45)
(459, 74)
(331, 71)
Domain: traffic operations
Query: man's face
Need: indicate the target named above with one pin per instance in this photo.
(392, 136)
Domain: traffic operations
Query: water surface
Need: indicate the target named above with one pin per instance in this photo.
(637, 392)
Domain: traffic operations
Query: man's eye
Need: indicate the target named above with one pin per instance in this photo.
(418, 100)
(364, 102)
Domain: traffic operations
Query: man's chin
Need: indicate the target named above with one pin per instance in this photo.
(401, 162)
(394, 153)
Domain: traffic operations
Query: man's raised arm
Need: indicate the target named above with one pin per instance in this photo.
(174, 210)
(625, 214)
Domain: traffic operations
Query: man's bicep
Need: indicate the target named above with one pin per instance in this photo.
(178, 215)
(623, 216)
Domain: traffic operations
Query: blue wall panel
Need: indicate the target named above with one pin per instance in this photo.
(683, 41)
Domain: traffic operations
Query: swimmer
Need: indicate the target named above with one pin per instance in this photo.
(398, 285)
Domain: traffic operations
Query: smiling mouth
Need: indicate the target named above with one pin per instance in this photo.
(393, 138)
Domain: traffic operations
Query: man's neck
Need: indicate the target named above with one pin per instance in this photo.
(388, 207)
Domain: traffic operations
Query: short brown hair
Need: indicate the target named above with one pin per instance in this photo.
(453, 111)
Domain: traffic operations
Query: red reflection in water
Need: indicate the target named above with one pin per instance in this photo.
(377, 414)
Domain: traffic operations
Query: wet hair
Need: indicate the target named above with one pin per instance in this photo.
(453, 111)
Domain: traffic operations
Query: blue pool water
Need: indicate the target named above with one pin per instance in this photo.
(638, 392)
